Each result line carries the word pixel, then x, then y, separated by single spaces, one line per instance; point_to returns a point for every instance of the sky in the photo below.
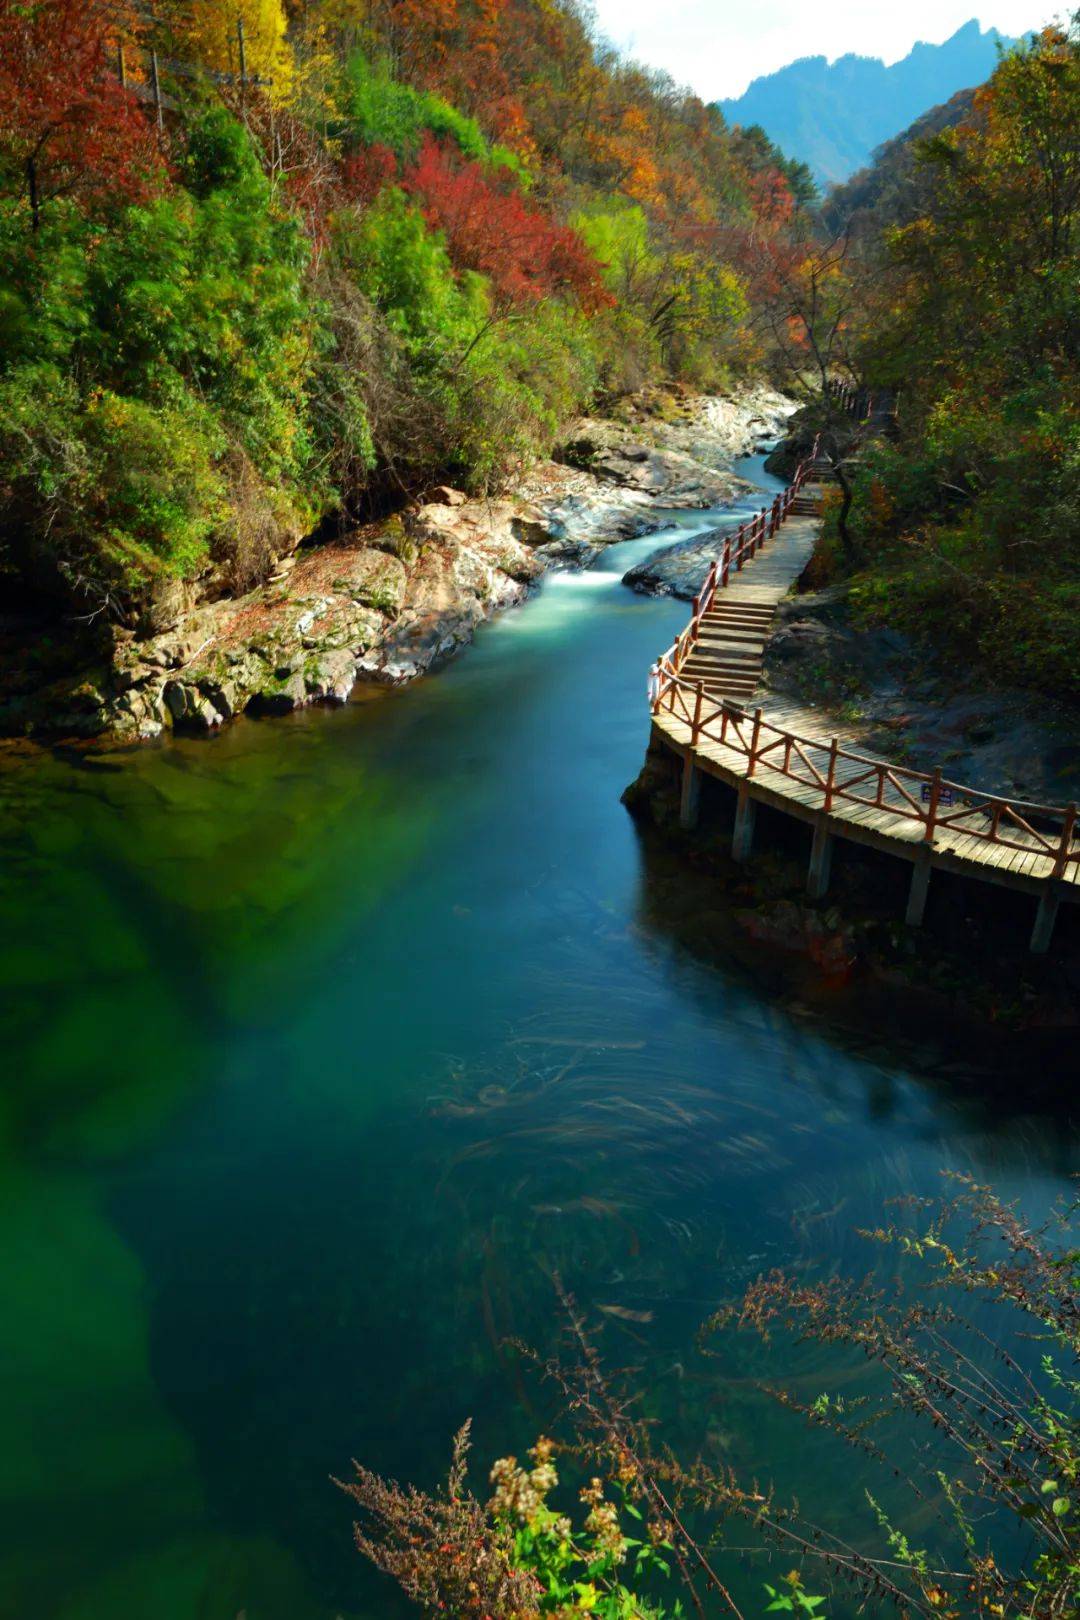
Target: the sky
pixel 718 46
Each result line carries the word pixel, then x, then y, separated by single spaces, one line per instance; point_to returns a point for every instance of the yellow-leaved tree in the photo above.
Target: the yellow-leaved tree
pixel 210 32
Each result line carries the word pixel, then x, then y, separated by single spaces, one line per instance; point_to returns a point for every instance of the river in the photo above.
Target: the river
pixel 328 1041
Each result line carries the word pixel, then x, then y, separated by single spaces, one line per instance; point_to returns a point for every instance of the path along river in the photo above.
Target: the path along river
pixel 325 1042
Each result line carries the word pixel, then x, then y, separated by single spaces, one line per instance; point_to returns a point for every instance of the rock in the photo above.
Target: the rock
pixel 331 676
pixel 445 496
pixel 189 708
pixel 375 579
pixel 802 637
pixel 829 942
pixel 169 600
pixel 137 717
pixel 670 477
pixel 222 694
pixel 678 570
pixel 281 695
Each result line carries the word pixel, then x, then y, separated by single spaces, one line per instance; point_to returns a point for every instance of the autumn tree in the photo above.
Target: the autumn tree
pixel 990 268
pixel 491 228
pixel 67 125
pixel 230 36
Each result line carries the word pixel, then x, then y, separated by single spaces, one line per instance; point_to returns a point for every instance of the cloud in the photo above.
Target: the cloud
pixel 718 46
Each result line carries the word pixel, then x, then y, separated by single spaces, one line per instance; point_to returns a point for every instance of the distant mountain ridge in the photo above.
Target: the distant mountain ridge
pixel 834 116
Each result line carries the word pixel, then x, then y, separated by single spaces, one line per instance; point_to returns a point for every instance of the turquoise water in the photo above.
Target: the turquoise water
pixel 329 1041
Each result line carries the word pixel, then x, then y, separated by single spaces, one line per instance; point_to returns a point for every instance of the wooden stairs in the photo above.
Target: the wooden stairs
pixel 728 654
pixel 810 501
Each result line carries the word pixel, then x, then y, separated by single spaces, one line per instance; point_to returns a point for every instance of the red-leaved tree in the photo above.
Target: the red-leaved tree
pixel 525 254
pixel 67 125
pixel 364 173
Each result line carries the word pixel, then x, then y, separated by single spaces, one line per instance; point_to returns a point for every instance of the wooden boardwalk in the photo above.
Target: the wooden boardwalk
pixel 700 690
pixel 729 650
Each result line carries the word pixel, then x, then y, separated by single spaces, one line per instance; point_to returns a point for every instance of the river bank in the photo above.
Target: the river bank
pixel 390 600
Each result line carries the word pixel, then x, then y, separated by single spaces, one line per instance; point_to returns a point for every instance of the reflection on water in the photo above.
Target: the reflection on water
pixel 332 1040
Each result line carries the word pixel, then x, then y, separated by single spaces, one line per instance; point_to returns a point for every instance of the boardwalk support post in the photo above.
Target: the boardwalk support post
pixel 743 840
pixel 691 792
pixel 920 888
pixel 691 776
pixel 1045 918
pixel 817 882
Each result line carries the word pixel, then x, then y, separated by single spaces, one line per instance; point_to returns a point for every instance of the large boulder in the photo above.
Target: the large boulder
pixel 471 561
pixel 678 570
pixel 669 476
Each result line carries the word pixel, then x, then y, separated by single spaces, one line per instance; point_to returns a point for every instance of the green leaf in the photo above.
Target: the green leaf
pixel 1061 1506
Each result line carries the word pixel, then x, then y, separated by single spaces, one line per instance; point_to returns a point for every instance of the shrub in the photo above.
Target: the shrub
pixel 380 110
pixel 105 494
pixel 523 253
pixel 140 353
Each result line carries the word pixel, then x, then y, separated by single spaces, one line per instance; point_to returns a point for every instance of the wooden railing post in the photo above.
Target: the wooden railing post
pixel 726 565
pixel 935 800
pixel 830 780
pixel 1065 847
pixel 754 739
pixel 695 724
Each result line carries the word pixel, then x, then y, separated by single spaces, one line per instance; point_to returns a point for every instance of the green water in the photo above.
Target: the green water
pixel 327 1042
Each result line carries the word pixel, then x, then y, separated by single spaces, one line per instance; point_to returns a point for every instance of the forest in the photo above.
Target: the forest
pixel 351 250
pixel 961 299
pixel 266 265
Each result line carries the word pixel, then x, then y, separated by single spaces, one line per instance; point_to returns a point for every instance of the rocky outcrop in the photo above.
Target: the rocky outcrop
pixel 670 477
pixel 472 559
pixel 712 429
pixel 391 600
pixel 387 602
pixel 678 570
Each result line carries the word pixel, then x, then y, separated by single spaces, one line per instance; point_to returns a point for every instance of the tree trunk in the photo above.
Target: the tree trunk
pixel 842 529
pixel 32 187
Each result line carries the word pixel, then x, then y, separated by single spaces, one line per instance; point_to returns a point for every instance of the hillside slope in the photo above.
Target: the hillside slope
pixel 893 189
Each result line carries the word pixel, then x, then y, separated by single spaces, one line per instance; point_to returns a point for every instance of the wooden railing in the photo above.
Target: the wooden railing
pixel 740 547
pixel 847 396
pixel 843 776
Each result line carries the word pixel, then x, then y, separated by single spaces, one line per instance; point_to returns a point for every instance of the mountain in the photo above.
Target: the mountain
pixel 894 188
pixel 834 115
